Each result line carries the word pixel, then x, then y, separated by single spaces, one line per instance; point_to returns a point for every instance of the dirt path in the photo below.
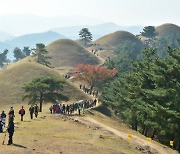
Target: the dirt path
pixel 134 140
pixel 101 60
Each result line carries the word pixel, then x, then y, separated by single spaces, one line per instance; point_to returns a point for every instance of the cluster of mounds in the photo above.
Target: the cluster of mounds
pixel 66 54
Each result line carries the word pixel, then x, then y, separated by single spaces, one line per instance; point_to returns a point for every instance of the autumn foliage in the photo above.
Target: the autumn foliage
pixel 93 74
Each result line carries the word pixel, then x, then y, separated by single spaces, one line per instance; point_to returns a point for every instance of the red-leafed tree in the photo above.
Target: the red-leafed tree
pixel 94 74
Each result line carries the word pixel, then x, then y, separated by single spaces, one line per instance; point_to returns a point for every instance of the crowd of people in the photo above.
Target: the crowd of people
pixel 89 90
pixel 72 108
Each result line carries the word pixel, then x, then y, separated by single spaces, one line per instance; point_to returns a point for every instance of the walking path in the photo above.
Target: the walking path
pixel 143 143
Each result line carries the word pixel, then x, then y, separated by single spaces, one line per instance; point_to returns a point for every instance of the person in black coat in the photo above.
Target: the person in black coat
pixel 31 111
pixel 10 130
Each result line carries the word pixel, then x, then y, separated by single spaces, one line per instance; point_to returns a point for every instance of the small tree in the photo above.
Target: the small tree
pixel 26 51
pixel 94 74
pixel 3 57
pixel 44 89
pixel 40 52
pixel 85 35
pixel 18 54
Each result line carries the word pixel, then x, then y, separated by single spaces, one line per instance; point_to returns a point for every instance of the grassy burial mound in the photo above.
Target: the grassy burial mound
pixel 168 34
pixel 12 79
pixel 116 39
pixel 164 29
pixel 66 52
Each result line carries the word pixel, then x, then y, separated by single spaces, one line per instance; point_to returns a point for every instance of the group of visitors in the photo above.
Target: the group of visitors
pixel 89 90
pixel 10 128
pixel 11 116
pixel 34 110
pixel 72 108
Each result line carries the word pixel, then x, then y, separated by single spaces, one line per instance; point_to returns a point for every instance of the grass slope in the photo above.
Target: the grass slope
pixel 66 52
pixel 163 29
pixel 115 39
pixel 50 134
pixel 12 79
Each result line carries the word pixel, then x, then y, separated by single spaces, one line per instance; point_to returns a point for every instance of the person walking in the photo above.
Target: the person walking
pixel 11 113
pixel 31 111
pixel 64 109
pixel 1 126
pixel 36 110
pixel 67 109
pixel 22 112
pixel 51 109
pixel 11 130
pixel 79 109
pixel 3 118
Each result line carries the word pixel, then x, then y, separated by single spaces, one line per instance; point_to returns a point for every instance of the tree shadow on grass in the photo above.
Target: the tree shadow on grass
pixel 26 121
pixel 104 110
pixel 20 146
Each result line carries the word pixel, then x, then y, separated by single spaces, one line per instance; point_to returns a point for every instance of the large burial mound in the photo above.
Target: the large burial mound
pixel 12 79
pixel 66 52
pixel 165 29
pixel 115 39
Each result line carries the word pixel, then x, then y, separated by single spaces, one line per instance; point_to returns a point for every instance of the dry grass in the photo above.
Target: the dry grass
pixel 66 52
pixel 115 39
pixel 50 134
pixel 166 28
pixel 12 79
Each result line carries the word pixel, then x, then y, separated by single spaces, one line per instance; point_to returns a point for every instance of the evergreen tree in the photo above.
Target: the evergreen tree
pixel 18 54
pixel 150 33
pixel 85 35
pixel 148 96
pixel 3 57
pixel 44 89
pixel 26 51
pixel 40 52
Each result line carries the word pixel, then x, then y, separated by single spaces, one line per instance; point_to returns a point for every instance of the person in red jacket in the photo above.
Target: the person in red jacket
pixel 22 113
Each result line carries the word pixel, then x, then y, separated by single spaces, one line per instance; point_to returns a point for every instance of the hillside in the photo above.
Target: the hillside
pixel 168 34
pixel 167 28
pixel 12 78
pixel 115 39
pixel 66 52
pixel 90 133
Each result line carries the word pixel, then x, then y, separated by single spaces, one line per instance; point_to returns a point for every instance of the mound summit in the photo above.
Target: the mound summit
pixel 65 52
pixel 113 40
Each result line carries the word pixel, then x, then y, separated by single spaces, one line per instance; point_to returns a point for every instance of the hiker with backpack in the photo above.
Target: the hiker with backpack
pixel 22 113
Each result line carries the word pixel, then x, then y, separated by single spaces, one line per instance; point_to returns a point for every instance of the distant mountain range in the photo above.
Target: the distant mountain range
pixel 97 30
pixel 21 24
pixel 29 40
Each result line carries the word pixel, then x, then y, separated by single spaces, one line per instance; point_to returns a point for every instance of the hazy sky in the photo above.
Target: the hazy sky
pixel 122 12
